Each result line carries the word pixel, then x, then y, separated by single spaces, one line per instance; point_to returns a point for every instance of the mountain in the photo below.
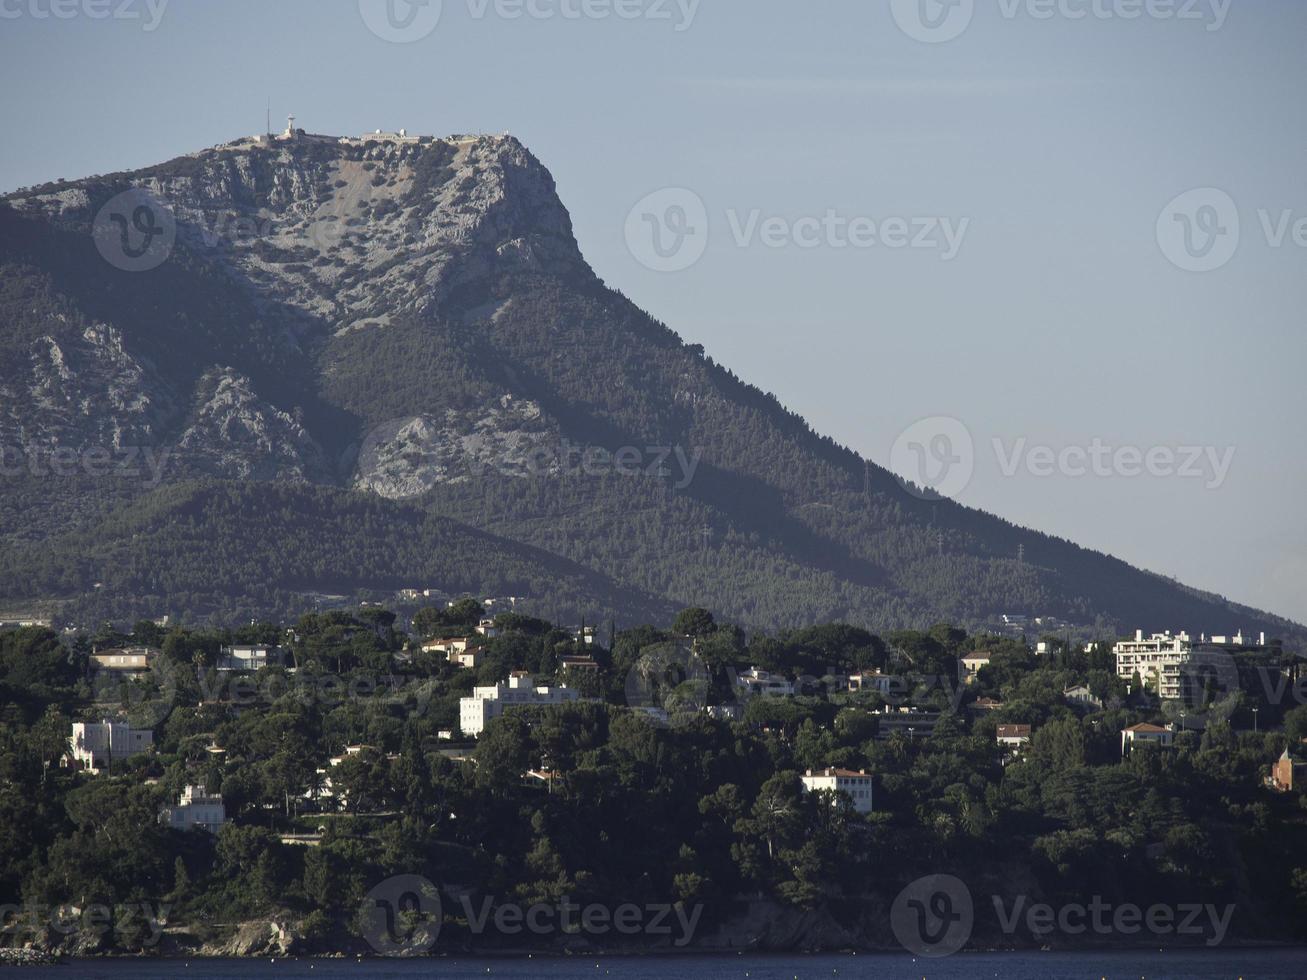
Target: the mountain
pixel 298 365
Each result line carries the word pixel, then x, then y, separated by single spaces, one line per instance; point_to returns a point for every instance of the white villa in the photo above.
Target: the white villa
pixel 247 659
pixel 195 809
pixel 449 647
pixel 971 665
pixel 858 785
pixel 95 744
pixel 1146 734
pixel 476 712
pixel 1012 737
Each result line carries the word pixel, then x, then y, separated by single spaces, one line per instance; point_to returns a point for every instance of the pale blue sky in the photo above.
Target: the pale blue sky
pixel 1060 320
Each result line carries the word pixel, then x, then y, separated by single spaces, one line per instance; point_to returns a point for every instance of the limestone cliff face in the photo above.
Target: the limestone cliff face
pixel 408 456
pixel 78 387
pixel 237 435
pixel 325 239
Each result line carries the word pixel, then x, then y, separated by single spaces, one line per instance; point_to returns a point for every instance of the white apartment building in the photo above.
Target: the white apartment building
pixel 858 785
pixel 95 744
pixel 195 809
pixel 486 703
pixel 1157 660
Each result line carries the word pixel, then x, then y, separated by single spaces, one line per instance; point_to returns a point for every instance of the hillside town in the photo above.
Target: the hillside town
pixel 287 741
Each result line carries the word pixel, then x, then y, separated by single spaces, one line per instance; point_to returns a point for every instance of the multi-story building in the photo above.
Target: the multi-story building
pixel 971 665
pixel 858 785
pixel 487 703
pixel 1157 660
pixel 195 809
pixel 910 721
pixel 95 744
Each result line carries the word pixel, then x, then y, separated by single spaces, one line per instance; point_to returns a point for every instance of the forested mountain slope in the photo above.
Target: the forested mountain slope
pixel 414 322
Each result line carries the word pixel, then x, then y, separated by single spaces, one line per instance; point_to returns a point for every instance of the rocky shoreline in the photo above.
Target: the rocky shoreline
pixel 27 957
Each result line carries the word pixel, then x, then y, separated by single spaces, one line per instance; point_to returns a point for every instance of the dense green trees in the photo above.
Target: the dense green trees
pixel 703 812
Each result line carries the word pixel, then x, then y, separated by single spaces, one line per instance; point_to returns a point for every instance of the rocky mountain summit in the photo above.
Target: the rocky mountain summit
pixel 400 335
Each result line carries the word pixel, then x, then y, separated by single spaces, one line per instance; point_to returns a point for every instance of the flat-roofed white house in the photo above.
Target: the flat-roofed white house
pixel 487 703
pixel 1145 734
pixel 858 785
pixel 196 809
pixel 250 657
pixel 911 721
pixel 871 680
pixel 93 745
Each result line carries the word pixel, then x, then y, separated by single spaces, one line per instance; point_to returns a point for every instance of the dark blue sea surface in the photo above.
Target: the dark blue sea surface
pixel 1134 965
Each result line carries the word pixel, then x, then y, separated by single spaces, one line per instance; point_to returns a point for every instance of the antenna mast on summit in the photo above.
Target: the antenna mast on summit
pixel 268 124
